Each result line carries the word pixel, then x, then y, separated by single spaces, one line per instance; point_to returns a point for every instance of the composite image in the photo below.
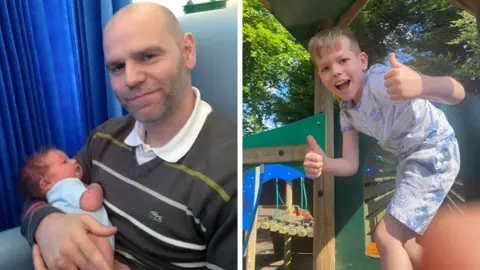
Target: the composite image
pixel 239 134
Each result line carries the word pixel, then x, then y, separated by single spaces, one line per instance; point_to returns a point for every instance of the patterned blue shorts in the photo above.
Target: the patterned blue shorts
pixel 423 180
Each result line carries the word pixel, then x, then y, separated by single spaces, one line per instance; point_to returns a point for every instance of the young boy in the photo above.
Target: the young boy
pixel 52 175
pixel 393 106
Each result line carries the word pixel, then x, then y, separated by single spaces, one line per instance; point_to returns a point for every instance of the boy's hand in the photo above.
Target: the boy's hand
pixel 313 163
pixel 402 82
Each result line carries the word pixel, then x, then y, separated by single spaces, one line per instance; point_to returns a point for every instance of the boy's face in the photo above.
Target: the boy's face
pixel 342 70
pixel 59 167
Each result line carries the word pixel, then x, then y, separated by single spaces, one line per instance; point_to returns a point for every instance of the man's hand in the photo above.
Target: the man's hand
pixel 313 163
pixel 37 259
pixel 64 243
pixel 402 82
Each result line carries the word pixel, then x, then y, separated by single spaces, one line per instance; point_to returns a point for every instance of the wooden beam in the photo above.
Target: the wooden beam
pixel 287 244
pixel 476 7
pixel 266 4
pixel 472 7
pixel 465 5
pixel 324 24
pixel 347 18
pixel 252 242
pixel 378 189
pixel 275 154
pixel 324 205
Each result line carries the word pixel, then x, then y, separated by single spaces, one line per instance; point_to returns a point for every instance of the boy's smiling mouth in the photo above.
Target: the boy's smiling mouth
pixel 342 85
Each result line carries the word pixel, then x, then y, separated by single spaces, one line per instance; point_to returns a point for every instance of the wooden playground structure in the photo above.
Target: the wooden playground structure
pixel 334 223
pixel 280 147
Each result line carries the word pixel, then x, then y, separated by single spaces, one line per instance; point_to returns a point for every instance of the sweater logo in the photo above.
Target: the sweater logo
pixel 155 216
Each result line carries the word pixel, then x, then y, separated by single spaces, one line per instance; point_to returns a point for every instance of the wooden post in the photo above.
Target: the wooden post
pixel 252 242
pixel 352 12
pixel 324 203
pixel 476 8
pixel 472 7
pixel 287 244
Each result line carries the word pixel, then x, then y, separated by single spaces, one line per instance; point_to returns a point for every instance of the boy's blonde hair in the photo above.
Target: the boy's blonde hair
pixel 328 36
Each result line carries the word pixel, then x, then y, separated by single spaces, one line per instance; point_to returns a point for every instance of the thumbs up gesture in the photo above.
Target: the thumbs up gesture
pixel 313 163
pixel 402 82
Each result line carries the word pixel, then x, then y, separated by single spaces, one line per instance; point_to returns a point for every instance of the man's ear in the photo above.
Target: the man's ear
pixel 189 50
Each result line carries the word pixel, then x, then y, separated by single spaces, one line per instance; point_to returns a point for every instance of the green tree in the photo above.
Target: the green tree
pixel 270 54
pixel 446 42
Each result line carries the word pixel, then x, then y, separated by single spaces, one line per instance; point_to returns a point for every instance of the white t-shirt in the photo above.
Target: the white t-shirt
pixel 399 127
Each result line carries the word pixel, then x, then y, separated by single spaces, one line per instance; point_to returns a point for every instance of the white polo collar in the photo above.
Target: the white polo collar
pixel 181 143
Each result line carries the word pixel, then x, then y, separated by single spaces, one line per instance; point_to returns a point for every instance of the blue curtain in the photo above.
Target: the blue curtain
pixel 54 88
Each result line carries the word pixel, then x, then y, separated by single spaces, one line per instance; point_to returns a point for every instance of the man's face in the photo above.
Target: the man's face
pixel 341 70
pixel 148 68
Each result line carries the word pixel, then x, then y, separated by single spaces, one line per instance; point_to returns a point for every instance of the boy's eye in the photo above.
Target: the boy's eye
pixel 148 57
pixel 342 61
pixel 324 69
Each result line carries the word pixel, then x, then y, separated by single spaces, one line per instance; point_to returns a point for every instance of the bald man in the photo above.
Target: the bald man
pixel 168 169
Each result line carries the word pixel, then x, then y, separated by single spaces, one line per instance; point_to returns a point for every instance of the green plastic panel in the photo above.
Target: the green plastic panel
pixel 295 133
pixel 207 6
pixel 349 215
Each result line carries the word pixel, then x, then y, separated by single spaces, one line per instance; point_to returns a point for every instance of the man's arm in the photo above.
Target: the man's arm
pixel 92 199
pixel 222 246
pixel 33 212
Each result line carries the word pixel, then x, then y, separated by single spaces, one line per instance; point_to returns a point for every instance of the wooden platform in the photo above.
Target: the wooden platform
pixel 285 221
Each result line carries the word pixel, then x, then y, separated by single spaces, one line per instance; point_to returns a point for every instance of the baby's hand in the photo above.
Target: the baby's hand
pixel 402 82
pixel 313 163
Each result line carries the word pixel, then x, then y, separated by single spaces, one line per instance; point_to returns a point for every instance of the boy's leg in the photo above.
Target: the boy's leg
pixel 15 252
pixel 392 238
pixel 423 180
pixel 414 250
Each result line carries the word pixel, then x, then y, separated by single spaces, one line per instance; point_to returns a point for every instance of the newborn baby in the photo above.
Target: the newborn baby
pixel 50 174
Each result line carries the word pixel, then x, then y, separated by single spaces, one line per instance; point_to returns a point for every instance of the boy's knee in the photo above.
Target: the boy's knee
pixel 390 231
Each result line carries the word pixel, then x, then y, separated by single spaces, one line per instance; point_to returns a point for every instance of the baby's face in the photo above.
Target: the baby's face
pixel 60 166
pixel 341 70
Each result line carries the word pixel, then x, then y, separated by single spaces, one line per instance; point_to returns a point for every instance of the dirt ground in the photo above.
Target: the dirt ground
pixel 267 260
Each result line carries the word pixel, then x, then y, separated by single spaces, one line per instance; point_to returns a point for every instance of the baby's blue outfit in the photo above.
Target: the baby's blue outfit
pixel 420 136
pixel 66 194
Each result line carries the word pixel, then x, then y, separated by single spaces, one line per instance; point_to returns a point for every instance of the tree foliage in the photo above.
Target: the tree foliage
pixel 270 58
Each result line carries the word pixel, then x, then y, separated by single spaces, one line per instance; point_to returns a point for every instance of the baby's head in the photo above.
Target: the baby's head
pixel 340 63
pixel 44 169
